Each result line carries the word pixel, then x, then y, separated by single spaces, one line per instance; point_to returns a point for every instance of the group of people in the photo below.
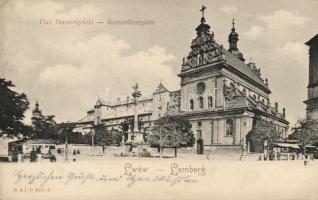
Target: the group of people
pixel 18 156
pixel 275 155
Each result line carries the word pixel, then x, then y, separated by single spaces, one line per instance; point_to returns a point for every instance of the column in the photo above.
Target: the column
pixel 215 131
pixel 221 130
pixel 237 132
pixel 212 132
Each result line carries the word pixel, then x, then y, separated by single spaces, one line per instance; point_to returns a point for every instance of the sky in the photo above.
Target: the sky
pixel 67 67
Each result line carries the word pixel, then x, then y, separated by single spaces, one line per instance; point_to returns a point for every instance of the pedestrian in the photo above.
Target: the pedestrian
pixel 33 156
pixel 74 155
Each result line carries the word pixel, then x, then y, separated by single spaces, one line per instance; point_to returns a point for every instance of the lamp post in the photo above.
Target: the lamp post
pixel 93 145
pixel 90 130
pixel 64 129
pixel 66 148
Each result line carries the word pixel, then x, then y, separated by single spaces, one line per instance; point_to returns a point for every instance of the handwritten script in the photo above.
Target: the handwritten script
pixel 45 178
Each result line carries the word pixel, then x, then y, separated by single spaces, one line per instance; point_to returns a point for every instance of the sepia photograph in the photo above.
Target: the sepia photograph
pixel 158 99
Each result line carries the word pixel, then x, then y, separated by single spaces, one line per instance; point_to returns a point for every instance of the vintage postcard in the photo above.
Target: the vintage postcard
pixel 158 99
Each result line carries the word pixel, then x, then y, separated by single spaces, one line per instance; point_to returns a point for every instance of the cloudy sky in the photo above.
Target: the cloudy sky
pixel 67 67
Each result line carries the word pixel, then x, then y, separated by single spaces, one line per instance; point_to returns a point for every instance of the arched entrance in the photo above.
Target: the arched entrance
pixel 200 147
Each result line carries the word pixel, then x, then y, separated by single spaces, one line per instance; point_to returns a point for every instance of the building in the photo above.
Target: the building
pixel 312 102
pixel 220 94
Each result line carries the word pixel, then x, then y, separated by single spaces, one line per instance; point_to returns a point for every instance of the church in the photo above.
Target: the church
pixel 220 94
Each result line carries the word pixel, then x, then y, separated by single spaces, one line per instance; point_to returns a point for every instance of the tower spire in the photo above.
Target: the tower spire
pixel 36 112
pixel 233 24
pixel 203 27
pixel 202 10
pixel 233 39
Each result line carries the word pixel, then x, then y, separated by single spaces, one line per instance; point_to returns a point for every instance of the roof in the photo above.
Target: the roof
pixel 287 145
pixel 40 141
pixel 161 88
pixel 86 119
pixel 35 141
pixel 236 63
pixel 114 115
pixel 124 114
pixel 312 40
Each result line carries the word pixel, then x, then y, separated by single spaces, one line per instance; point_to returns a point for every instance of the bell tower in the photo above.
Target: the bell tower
pixel 312 102
pixel 36 112
pixel 233 39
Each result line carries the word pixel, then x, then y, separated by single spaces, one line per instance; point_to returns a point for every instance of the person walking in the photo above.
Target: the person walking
pixel 74 155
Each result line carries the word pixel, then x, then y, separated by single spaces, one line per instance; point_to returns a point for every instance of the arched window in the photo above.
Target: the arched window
pixel 191 104
pixel 229 127
pixel 210 102
pixel 200 102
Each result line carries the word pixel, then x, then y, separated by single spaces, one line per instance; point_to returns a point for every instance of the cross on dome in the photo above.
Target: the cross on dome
pixel 202 10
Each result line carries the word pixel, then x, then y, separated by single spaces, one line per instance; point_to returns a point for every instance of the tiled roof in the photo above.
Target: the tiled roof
pixel 236 63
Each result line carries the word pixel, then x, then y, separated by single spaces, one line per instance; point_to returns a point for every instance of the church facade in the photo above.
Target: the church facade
pixel 220 95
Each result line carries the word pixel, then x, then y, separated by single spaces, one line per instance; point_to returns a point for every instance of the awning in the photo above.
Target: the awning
pixel 311 146
pixel 287 145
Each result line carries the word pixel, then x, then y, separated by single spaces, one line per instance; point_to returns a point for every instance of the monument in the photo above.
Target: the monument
pixel 135 138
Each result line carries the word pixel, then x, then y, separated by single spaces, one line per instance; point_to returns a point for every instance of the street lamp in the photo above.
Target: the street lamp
pixel 92 132
pixel 66 148
pixel 93 145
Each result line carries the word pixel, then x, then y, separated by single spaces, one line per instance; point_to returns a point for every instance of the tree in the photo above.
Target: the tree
pixel 65 131
pixel 306 131
pixel 87 138
pixel 116 137
pixel 46 128
pixel 12 108
pixel 262 130
pixel 171 131
pixel 124 126
pixel 102 136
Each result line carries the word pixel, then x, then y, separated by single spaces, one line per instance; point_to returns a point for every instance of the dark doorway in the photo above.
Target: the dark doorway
pixel 200 147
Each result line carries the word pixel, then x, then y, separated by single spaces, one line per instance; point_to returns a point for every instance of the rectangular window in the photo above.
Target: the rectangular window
pixel 210 102
pixel 229 127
